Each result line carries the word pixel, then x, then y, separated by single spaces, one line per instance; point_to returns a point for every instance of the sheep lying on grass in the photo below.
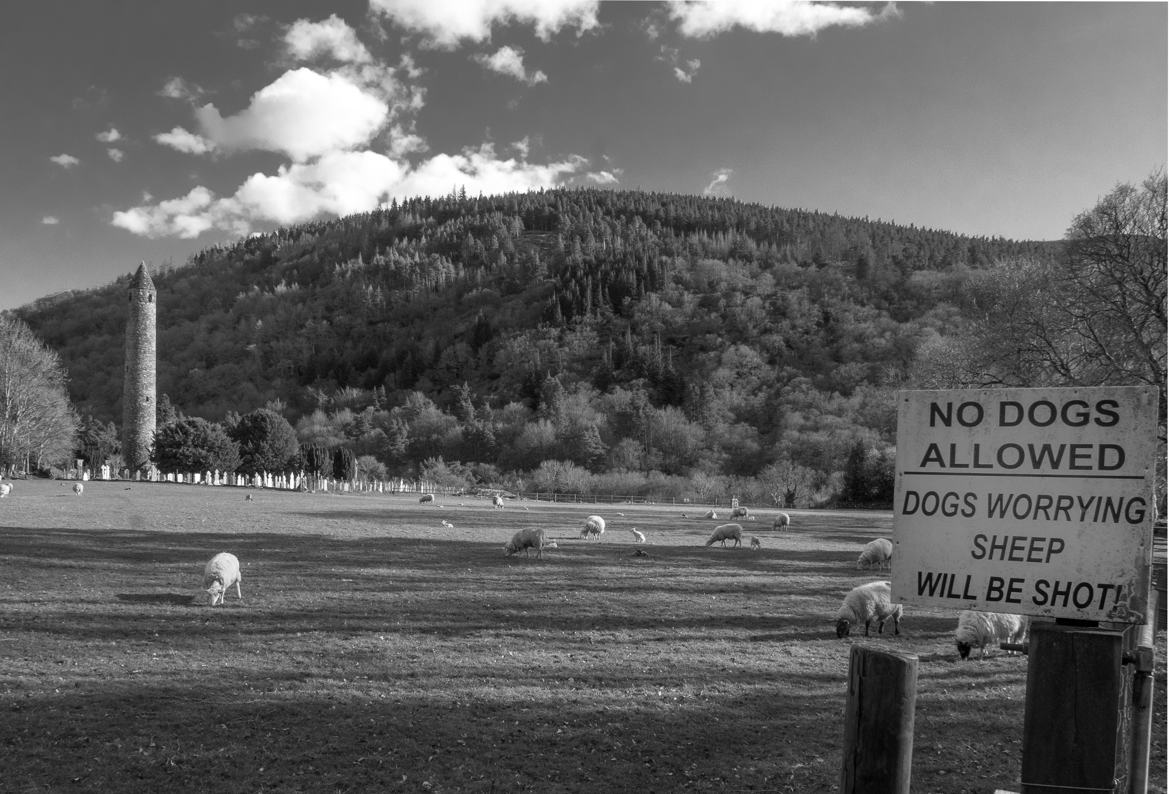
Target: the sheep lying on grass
pixel 447 524
pixel 594 525
pixel 782 521
pixel 866 603
pixel 525 539
pixel 78 488
pixel 724 533
pixel 739 512
pixel 711 514
pixel 5 489
pixel 879 553
pixel 425 498
pixel 978 629
pixel 221 572
pixel 638 536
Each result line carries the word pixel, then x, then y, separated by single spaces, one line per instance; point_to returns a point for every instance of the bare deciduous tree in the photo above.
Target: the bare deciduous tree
pixel 1094 316
pixel 38 426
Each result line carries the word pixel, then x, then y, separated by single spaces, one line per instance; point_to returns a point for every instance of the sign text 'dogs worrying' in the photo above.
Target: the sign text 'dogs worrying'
pixel 1032 501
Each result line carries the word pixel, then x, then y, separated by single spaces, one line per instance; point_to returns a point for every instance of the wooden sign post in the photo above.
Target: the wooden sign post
pixel 1037 502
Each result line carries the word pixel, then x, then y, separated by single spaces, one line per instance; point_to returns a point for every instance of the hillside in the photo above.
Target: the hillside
pixel 640 314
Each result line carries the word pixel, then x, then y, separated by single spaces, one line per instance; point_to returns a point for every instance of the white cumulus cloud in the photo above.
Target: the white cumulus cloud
pixel 604 177
pixel 339 183
pixel 186 217
pixel 333 37
pixel 50 220
pixel 786 17
pixel 718 184
pixel 447 23
pixel 109 136
pixel 302 114
pixel 482 171
pixel 116 154
pixel 65 160
pixel 684 70
pixel 178 88
pixel 510 61
pixel 184 141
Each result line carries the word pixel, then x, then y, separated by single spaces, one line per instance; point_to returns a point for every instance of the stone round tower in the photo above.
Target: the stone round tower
pixel 138 386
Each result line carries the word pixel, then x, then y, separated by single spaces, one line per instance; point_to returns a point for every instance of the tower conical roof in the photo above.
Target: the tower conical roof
pixel 141 278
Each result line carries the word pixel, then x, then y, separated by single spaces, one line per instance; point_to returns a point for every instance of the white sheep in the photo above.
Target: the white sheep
pixel 5 489
pixel 879 552
pixel 638 536
pixel 448 524
pixel 739 512
pixel 497 501
pixel 711 514
pixel 866 603
pixel 525 539
pixel 594 525
pixel 425 498
pixel 978 629
pixel 755 543
pixel 221 572
pixel 78 488
pixel 782 521
pixel 724 533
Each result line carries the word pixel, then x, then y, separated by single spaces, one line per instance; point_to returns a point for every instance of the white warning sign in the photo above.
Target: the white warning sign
pixel 1031 501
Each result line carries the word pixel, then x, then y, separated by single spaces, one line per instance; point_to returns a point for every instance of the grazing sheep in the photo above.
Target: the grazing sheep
pixel 78 488
pixel 221 572
pixel 525 539
pixel 739 512
pixel 782 521
pixel 724 533
pixel 711 514
pixel 5 489
pixel 755 543
pixel 594 525
pixel 977 629
pixel 865 603
pixel 497 501
pixel 638 536
pixel 878 552
pixel 448 524
pixel 425 498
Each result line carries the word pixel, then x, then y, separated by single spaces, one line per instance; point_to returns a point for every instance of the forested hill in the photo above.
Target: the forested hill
pixel 733 314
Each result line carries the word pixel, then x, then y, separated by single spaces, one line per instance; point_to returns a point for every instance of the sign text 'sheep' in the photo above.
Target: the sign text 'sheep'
pixel 1034 501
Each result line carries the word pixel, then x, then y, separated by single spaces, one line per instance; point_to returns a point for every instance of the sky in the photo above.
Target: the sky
pixel 150 131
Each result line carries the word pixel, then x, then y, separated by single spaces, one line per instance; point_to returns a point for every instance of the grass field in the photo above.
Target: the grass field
pixel 376 650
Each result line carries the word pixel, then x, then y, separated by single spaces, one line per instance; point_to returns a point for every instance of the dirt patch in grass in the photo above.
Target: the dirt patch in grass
pixel 377 650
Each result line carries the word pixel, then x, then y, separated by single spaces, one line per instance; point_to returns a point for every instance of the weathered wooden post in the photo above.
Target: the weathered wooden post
pixel 1072 714
pixel 879 722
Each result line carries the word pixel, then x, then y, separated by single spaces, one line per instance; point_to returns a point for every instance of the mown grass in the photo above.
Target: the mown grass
pixel 376 650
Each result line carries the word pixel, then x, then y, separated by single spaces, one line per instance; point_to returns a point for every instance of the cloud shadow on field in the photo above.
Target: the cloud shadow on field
pixel 173 599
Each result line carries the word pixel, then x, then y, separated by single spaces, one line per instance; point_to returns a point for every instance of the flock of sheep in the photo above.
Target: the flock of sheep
pixel 862 606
